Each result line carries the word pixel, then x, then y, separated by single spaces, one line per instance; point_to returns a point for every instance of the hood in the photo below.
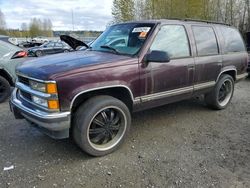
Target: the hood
pixel 72 42
pixel 48 67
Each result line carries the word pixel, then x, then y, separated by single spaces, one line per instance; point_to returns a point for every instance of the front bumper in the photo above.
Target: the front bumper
pixel 55 124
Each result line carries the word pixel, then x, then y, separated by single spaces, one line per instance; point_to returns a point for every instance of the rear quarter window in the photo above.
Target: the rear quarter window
pixel 233 41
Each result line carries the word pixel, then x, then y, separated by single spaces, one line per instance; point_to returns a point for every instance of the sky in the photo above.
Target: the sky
pixel 88 14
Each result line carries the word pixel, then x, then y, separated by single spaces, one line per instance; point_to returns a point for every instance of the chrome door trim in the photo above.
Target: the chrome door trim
pixel 174 92
pixel 204 85
pixel 164 94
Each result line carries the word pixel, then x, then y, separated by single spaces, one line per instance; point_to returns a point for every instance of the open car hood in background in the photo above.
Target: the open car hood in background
pixel 72 42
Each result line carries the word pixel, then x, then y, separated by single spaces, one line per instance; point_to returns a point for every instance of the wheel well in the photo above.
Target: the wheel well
pixel 4 74
pixel 231 73
pixel 120 93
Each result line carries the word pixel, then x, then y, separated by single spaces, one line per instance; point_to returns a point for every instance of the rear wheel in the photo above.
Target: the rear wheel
pixel 4 89
pixel 222 94
pixel 39 53
pixel 100 125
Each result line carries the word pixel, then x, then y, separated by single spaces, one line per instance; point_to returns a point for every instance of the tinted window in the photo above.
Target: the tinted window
pixel 173 40
pixel 206 42
pixel 58 44
pixel 233 40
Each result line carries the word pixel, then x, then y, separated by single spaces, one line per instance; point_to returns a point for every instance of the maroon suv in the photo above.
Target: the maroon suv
pixel 130 67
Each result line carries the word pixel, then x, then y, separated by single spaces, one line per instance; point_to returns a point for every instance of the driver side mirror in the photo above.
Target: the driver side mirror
pixel 157 56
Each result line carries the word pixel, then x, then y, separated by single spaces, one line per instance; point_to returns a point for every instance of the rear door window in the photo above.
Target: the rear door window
pixel 232 40
pixel 205 39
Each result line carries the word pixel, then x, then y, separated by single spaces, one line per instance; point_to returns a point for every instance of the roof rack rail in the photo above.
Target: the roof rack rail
pixel 199 20
pixel 206 21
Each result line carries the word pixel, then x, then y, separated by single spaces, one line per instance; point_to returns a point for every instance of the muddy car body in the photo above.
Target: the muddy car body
pixel 93 92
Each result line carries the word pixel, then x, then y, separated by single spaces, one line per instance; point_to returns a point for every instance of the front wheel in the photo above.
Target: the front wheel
pixel 4 89
pixel 222 94
pixel 101 124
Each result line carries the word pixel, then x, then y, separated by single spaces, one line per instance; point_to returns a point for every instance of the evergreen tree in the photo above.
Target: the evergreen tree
pixel 123 10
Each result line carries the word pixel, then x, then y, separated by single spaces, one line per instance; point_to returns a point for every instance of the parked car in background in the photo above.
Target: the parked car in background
pixel 13 41
pixel 10 57
pixel 92 93
pixel 40 39
pixel 49 48
pixel 29 44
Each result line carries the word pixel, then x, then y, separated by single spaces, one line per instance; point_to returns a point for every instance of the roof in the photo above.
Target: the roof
pixel 186 20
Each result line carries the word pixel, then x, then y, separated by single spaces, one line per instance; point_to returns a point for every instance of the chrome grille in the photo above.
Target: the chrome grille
pixel 23 80
pixel 25 95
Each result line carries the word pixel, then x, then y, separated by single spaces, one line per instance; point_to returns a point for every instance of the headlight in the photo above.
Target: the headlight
pixel 38 86
pixel 40 101
pixel 50 88
pixel 50 104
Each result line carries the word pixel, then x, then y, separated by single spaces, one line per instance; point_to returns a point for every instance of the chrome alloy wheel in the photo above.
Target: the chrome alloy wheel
pixel 107 128
pixel 225 92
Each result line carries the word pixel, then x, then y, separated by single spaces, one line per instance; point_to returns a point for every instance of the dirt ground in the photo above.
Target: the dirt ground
pixel 179 145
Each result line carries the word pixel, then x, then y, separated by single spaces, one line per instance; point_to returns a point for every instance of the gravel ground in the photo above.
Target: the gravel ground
pixel 179 145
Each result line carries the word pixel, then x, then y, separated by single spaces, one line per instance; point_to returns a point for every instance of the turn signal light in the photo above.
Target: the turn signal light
pixel 51 88
pixel 53 104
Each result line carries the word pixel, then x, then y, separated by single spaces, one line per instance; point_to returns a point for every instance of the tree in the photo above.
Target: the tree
pixel 47 28
pixel 123 10
pixel 2 23
pixel 24 27
pixel 35 27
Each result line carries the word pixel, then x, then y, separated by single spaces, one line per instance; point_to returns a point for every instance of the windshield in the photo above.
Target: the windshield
pixel 124 39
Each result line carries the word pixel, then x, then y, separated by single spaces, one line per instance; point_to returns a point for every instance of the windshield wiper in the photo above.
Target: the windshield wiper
pixel 110 48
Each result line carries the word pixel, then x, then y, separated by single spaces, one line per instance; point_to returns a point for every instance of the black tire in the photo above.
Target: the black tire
pixel 92 115
pixel 4 89
pixel 65 51
pixel 39 53
pixel 218 99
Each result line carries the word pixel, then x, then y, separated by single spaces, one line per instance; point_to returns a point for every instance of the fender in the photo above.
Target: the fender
pixel 100 88
pixel 9 76
pixel 225 69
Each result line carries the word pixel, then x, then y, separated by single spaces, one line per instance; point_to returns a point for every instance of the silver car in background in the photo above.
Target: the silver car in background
pixel 10 57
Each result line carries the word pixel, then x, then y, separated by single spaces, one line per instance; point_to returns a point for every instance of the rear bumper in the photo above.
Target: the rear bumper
pixel 56 125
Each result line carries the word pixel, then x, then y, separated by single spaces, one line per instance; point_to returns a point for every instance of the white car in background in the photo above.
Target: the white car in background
pixel 14 41
pixel 40 39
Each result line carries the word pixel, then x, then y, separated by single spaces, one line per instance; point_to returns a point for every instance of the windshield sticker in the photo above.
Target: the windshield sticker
pixel 141 29
pixel 143 35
